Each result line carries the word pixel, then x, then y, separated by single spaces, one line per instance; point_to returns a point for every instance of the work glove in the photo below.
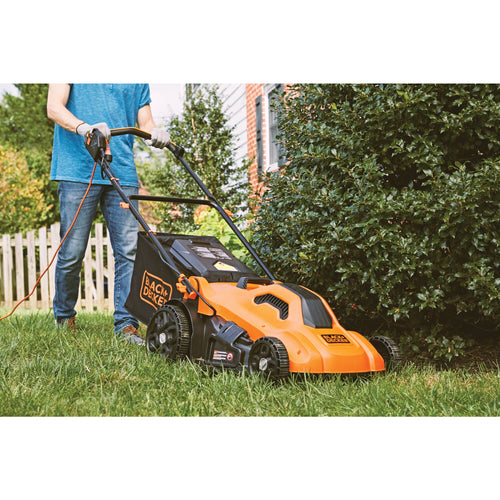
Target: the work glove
pixel 84 128
pixel 159 138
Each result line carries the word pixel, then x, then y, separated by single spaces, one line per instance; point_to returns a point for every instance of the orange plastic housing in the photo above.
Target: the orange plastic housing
pixel 310 350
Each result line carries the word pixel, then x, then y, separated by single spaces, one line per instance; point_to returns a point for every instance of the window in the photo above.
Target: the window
pixel 270 154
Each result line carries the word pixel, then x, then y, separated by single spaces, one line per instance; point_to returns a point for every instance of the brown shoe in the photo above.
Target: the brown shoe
pixel 69 324
pixel 131 334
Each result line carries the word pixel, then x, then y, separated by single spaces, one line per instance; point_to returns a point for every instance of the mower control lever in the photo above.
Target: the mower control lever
pixel 178 151
pixel 244 281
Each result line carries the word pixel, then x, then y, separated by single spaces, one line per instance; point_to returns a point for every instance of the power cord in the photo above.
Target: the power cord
pixel 57 249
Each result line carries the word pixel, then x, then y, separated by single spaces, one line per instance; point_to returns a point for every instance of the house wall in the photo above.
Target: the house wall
pixel 253 90
pixel 233 96
pixel 239 106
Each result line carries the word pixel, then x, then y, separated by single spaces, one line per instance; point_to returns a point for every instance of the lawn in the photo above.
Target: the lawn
pixel 49 372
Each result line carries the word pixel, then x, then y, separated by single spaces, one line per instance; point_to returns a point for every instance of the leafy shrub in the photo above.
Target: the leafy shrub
pixel 24 126
pixel 212 224
pixel 389 205
pixel 23 200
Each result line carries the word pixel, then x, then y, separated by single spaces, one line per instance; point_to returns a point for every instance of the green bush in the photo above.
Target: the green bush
pixel 389 206
pixel 210 223
pixel 24 127
pixel 24 203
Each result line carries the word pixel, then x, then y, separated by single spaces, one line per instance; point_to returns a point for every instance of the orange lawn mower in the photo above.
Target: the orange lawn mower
pixel 200 302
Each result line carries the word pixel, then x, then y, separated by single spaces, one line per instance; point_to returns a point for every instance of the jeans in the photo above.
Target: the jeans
pixel 122 229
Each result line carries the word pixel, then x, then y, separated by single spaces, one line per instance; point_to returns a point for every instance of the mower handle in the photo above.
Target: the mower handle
pixel 177 150
pixel 132 131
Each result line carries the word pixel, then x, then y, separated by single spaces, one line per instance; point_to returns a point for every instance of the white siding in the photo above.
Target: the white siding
pixel 234 98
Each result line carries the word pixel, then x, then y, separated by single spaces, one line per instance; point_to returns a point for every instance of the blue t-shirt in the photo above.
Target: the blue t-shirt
pixel 115 104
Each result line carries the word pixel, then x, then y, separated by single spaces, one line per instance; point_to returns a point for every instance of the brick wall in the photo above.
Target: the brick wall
pixel 253 90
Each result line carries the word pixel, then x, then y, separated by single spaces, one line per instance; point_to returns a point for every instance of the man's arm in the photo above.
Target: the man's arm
pixel 57 111
pixel 145 118
pixel 56 107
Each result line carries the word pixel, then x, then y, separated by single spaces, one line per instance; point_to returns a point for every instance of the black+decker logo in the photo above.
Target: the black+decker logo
pixel 336 338
pixel 154 290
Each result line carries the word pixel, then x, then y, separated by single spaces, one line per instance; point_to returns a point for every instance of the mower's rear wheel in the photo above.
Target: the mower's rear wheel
pixel 388 349
pixel 269 357
pixel 169 331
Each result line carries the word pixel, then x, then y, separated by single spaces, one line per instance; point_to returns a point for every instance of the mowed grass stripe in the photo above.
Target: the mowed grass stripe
pixel 50 372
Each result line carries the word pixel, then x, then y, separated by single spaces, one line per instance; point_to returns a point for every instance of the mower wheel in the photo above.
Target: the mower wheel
pixel 388 349
pixel 169 331
pixel 269 357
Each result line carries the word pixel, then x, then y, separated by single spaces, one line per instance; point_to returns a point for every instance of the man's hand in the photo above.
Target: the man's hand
pixel 84 128
pixel 159 138
pixel 96 145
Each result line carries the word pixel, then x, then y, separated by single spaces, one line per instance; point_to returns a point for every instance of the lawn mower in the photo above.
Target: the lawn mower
pixel 200 302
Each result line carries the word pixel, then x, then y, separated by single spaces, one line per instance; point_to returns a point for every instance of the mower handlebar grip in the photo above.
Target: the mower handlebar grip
pixel 132 131
pixel 177 150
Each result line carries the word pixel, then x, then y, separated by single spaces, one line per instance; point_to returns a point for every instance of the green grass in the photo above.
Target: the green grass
pixel 50 372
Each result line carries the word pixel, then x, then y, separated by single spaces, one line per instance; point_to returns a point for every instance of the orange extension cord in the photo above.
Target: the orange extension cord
pixel 57 249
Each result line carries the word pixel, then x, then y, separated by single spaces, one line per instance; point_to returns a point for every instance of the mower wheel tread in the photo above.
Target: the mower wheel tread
pixel 269 357
pixel 388 349
pixel 169 331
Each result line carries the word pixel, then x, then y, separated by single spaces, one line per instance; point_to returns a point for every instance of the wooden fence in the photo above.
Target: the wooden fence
pixel 24 258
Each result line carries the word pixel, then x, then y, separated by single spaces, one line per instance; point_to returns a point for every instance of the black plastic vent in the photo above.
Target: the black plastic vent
pixel 314 312
pixel 274 301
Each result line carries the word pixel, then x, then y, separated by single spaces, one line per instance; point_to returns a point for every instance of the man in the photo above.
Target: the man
pixel 76 110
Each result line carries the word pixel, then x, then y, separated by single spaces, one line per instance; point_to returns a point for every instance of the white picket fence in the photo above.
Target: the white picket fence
pixel 24 257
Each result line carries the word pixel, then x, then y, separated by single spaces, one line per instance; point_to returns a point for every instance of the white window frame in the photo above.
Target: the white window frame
pixel 268 167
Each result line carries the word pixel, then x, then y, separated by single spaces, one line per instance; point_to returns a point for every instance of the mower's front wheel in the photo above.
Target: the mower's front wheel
pixel 269 357
pixel 388 349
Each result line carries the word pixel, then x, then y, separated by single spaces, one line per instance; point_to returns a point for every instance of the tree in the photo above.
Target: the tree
pixel 389 206
pixel 23 200
pixel 23 119
pixel 202 129
pixel 24 127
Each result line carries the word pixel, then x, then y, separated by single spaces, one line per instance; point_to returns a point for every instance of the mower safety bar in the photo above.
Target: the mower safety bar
pixel 213 204
pixel 172 199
